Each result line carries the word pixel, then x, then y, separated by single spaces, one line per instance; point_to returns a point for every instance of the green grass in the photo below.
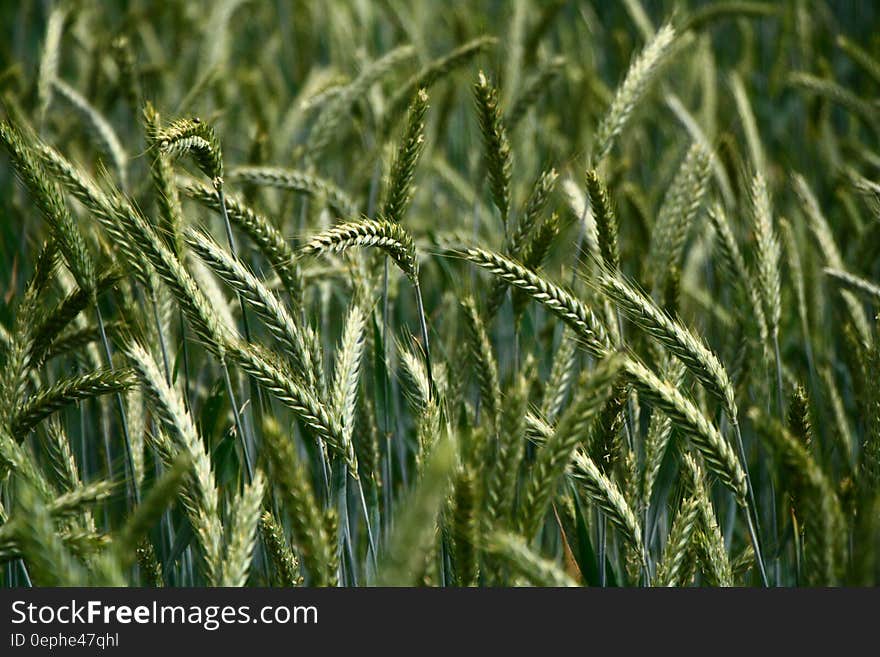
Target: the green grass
pixel 449 294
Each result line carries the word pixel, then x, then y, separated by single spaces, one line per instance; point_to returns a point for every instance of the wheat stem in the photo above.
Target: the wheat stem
pixel 236 417
pixel 131 481
pixel 752 509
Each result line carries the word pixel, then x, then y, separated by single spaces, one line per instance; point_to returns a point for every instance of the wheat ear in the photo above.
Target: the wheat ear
pixel 268 306
pixel 66 392
pixel 516 554
pixel 691 350
pixel 641 73
pixel 719 456
pixel 607 496
pixel 484 363
pixel 560 302
pixel 309 524
pixel 266 369
pixel 551 460
pixel 497 148
pixel 307 183
pixel 243 532
pixel 202 500
pixel 283 559
pixel 678 545
pixel 262 233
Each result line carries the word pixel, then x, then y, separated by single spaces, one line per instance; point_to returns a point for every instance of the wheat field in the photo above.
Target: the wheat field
pixel 527 293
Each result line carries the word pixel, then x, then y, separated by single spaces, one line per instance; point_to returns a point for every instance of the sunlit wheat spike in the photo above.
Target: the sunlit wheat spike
pixel 711 549
pixel 606 221
pixel 693 352
pixel 15 339
pixel 19 459
pixel 703 435
pixel 162 174
pixel 697 133
pixel 537 249
pixel 560 302
pixel 347 371
pixel 530 238
pixel 205 319
pixel 678 545
pixel 516 554
pixel 562 376
pixel 603 492
pixel 659 434
pixel 681 203
pixel 201 500
pixel 603 443
pixel 103 205
pixel 284 561
pixel 538 198
pixel 799 423
pixel 243 532
pixel 47 330
pixel 74 501
pixel 642 72
pixel 57 448
pixel 734 264
pixel 20 361
pixel 415 377
pixel 741 563
pixel 503 455
pixel 391 238
pixel 428 429
pixel 47 197
pixel 307 183
pixel 79 500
